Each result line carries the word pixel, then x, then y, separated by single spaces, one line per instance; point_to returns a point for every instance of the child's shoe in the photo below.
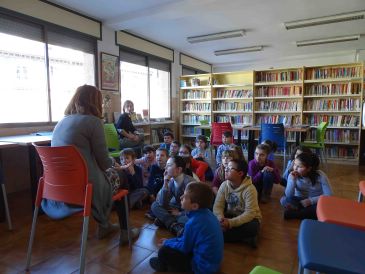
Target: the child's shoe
pixel 158 222
pixel 149 214
pixel 123 239
pixel 103 232
pixel 177 229
pixel 156 265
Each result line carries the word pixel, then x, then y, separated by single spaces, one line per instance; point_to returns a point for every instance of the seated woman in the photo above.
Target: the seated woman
pixel 82 127
pixel 129 136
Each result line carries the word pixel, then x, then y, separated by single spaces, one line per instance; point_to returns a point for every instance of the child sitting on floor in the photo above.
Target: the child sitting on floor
pixel 236 205
pixel 305 184
pixel 263 172
pixel 219 175
pixel 146 162
pixel 201 153
pixel 200 248
pixel 290 165
pixel 168 138
pixel 167 207
pixel 227 140
pixel 132 174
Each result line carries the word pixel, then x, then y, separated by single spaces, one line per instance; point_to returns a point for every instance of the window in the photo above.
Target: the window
pixel 159 89
pixel 134 80
pixel 27 94
pixel 146 82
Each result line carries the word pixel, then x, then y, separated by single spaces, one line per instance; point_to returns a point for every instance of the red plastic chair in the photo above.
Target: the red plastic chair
pixel 341 211
pixel 65 179
pixel 217 130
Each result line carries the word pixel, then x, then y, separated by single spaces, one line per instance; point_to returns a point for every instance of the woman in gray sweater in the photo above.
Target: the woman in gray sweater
pixel 82 127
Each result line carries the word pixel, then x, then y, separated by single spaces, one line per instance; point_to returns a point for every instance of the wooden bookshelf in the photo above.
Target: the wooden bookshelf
pixel 195 105
pixel 232 99
pixel 278 96
pixel 334 93
pixel 293 96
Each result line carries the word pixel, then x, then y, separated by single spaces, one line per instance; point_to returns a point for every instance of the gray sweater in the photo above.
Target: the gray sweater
pixel 86 132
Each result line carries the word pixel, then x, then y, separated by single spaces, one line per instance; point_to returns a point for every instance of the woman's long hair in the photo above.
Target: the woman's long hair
pixel 128 102
pixel 87 100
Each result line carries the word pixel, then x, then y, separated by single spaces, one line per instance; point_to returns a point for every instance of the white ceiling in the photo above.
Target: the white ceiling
pixel 169 22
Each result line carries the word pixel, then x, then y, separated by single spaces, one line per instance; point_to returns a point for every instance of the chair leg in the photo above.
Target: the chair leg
pixel 85 230
pixel 127 220
pixel 8 219
pixel 31 239
pixel 360 197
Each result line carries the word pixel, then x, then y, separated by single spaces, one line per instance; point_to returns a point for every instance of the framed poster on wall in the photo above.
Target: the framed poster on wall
pixel 109 71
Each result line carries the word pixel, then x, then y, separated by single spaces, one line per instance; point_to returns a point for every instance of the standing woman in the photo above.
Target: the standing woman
pixel 82 127
pixel 130 137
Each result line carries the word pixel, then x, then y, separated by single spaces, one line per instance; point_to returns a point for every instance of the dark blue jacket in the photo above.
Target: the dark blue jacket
pixel 203 238
pixel 155 181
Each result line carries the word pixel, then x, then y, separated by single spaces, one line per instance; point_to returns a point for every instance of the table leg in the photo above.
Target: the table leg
pixel 297 138
pixel 239 141
pixel 251 145
pixel 2 204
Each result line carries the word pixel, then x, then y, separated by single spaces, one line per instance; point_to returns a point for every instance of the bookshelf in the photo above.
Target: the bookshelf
pixel 195 105
pixel 232 99
pixel 293 96
pixel 278 96
pixel 334 93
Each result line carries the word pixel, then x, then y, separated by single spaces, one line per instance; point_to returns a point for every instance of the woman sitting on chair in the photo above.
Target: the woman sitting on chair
pixel 130 137
pixel 82 127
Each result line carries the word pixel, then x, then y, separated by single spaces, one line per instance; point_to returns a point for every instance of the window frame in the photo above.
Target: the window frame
pixel 45 27
pixel 148 58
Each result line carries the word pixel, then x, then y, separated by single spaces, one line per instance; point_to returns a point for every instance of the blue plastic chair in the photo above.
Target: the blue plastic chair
pixel 275 133
pixel 330 248
pixel 6 205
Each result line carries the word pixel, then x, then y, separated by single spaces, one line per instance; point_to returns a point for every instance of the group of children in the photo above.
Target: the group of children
pixel 204 209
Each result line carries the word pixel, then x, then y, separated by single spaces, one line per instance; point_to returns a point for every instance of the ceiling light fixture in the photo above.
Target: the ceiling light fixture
pixel 328 40
pixel 216 36
pixel 342 17
pixel 239 50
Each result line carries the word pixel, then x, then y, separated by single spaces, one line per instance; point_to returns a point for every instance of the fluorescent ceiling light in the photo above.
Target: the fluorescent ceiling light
pixel 325 20
pixel 328 40
pixel 239 50
pixel 216 36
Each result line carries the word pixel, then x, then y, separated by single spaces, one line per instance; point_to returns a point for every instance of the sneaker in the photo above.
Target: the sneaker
pixel 103 232
pixel 252 241
pixel 177 229
pixel 158 222
pixel 150 215
pixel 156 265
pixel 124 235
pixel 291 214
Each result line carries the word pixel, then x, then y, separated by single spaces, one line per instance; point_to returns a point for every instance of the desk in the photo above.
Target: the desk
pixel 251 136
pixel 27 140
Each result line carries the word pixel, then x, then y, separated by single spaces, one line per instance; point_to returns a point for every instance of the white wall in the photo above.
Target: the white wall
pixel 305 60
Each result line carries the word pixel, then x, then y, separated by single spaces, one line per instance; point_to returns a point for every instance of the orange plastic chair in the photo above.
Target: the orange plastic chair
pixel 341 211
pixel 65 179
pixel 217 130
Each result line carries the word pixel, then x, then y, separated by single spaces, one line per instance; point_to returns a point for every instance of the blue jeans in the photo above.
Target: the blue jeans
pixel 266 183
pixel 297 211
pixel 166 217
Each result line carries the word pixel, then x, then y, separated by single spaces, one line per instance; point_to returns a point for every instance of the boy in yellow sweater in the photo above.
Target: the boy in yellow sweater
pixel 240 219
